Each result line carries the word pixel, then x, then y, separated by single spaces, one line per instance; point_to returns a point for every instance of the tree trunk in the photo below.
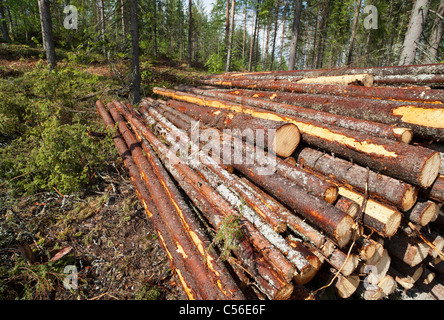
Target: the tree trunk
pixel 190 8
pixel 435 37
pixel 42 24
pixel 276 20
pixel 135 50
pixel 354 29
pixel 122 17
pixel 4 27
pixel 155 50
pixel 102 25
pixel 284 20
pixel 230 36
pixel 295 34
pixel 320 44
pixel 47 26
pixel 413 34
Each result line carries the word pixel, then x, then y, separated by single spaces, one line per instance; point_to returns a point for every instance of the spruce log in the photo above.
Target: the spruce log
pixel 414 164
pixel 400 194
pixel 304 108
pixel 384 93
pixel 388 285
pixel 346 286
pixel 349 206
pixel 282 137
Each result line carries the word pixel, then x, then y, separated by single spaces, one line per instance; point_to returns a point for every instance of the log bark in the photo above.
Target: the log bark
pixel 396 192
pixel 350 207
pixel 414 164
pixel 283 138
pixel 303 107
pixel 423 119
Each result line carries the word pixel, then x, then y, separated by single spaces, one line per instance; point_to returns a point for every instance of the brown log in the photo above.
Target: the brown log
pixel 423 119
pixel 398 193
pixel 186 278
pixel 384 93
pixel 413 164
pixel 282 137
pixel 277 102
pixel 215 210
pixel 347 286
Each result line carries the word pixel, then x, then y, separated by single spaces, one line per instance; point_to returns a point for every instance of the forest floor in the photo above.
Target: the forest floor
pixel 103 231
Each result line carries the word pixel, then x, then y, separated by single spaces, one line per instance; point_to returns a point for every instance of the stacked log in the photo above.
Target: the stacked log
pixel 344 188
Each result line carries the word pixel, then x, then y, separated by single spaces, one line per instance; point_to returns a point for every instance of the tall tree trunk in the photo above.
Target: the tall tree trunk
pixel 102 25
pixel 284 20
pixel 4 26
pixel 122 13
pixel 354 29
pixel 230 36
pixel 155 29
pixel 190 7
pixel 321 45
pixel 413 35
pixel 435 37
pixel 244 35
pixel 135 48
pixel 273 46
pixel 294 34
pixel 253 37
pixel 45 8
pixel 41 25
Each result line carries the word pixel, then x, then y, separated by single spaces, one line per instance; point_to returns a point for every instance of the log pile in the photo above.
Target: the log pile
pixel 342 188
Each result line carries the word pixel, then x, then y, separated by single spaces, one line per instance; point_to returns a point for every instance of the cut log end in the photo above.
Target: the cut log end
pixel 430 170
pixel 409 199
pixel 284 293
pixel 404 135
pixel 331 194
pixel 343 232
pixel 286 140
pixel 393 223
